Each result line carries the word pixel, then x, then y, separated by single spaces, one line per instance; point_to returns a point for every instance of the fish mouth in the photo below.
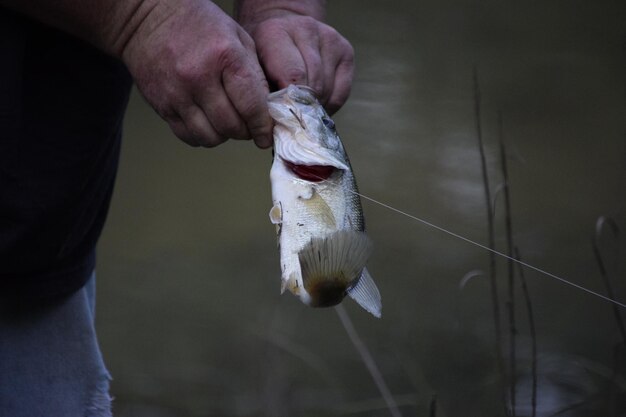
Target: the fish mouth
pixel 312 173
pixel 299 93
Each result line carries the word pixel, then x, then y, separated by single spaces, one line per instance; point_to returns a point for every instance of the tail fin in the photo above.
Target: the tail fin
pixel 330 265
pixel 366 294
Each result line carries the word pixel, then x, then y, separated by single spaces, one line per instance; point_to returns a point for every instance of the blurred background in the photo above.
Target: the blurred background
pixel 190 315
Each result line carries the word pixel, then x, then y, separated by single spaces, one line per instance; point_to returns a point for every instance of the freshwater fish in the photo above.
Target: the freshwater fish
pixel 316 207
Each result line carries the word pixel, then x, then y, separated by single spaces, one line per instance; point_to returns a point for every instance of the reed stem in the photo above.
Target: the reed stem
pixel 495 302
pixel 533 334
pixel 368 360
pixel 510 268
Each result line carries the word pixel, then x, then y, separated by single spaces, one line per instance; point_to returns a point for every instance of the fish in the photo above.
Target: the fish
pixel 316 207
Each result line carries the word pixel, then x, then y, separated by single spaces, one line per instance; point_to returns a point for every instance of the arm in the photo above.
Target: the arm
pixel 192 62
pixel 199 69
pixel 295 47
pixel 107 24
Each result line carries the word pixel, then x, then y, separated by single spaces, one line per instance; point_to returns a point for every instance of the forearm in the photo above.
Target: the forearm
pixel 253 11
pixel 107 24
pixel 110 24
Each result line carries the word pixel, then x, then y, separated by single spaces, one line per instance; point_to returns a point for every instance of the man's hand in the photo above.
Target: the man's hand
pixel 295 47
pixel 199 70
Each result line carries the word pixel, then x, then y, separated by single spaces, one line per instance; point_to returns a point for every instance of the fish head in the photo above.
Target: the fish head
pixel 304 134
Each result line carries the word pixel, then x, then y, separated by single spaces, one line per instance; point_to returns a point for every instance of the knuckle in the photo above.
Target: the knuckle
pixel 333 105
pixel 189 141
pixel 338 99
pixel 230 56
pixel 194 133
pixel 165 112
pixel 245 39
pixel 295 75
pixel 250 108
pixel 255 121
pixel 229 127
pixel 226 54
pixel 308 22
pixel 258 130
pixel 328 34
pixel 172 99
pixel 187 71
pixel 212 142
pixel 274 26
pixel 348 50
pixel 183 134
pixel 208 139
pixel 331 38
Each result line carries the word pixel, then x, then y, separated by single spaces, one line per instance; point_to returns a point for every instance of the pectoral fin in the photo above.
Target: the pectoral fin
pixel 366 294
pixel 276 214
pixel 331 264
pixel 321 209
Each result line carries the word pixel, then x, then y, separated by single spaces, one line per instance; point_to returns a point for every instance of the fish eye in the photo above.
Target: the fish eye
pixel 328 123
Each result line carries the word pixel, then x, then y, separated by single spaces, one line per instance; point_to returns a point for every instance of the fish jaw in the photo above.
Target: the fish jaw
pixel 299 146
pixel 300 135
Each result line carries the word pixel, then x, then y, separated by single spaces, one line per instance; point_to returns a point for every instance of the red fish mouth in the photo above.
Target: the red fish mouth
pixel 313 173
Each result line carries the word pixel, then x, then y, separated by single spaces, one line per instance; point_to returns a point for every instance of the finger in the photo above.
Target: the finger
pixel 222 115
pixel 342 70
pixel 280 57
pixel 193 128
pixel 180 130
pixel 247 90
pixel 308 46
pixel 262 141
pixel 341 88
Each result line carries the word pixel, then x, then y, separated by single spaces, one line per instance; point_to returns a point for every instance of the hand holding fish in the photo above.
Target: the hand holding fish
pixel 295 47
pixel 199 70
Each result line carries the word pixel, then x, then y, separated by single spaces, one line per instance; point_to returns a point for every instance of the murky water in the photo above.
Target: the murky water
pixel 190 316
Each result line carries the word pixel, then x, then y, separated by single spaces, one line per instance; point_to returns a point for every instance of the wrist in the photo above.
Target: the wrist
pixel 130 21
pixel 106 24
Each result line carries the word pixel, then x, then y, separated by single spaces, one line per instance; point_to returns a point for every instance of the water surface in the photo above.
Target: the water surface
pixel 190 316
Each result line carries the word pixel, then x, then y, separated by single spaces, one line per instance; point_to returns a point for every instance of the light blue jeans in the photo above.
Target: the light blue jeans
pixel 50 362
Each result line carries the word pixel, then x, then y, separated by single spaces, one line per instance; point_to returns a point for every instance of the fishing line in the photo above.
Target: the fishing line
pixel 487 248
pixel 480 245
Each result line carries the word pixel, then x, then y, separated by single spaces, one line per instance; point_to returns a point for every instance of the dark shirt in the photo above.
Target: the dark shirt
pixel 61 110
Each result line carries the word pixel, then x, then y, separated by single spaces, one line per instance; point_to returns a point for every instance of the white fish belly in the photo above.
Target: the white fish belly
pixel 305 210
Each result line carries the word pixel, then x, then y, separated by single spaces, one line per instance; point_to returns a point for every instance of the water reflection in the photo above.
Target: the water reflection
pixel 190 316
